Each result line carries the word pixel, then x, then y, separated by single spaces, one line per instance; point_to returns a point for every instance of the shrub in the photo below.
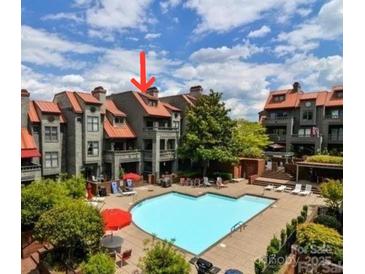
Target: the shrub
pixel 289 230
pixel 303 213
pixel 75 186
pixel 329 221
pixel 189 173
pixel 332 191
pixel 73 228
pixel 313 237
pixel 294 223
pixel 283 236
pixel 300 219
pixel 328 159
pixel 100 263
pixel 162 257
pixel 224 175
pixel 259 266
pixel 305 208
pixel 37 198
pixel 275 243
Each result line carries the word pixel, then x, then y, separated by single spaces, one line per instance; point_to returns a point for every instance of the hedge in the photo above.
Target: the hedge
pixel 327 159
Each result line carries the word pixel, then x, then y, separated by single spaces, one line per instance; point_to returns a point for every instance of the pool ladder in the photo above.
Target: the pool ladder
pixel 237 226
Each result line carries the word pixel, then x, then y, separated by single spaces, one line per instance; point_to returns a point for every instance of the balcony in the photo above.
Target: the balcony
pixel 161 129
pixel 147 155
pixel 277 138
pixel 334 119
pixel 165 132
pixel 122 156
pixel 31 173
pixel 335 139
pixel 167 155
pixel 277 120
pixel 304 138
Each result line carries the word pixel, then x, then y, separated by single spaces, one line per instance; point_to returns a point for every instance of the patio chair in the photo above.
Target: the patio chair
pixel 93 178
pixel 129 185
pixel 307 191
pixel 297 189
pixel 197 182
pixel 280 188
pixel 269 187
pixel 220 183
pixel 189 182
pixel 206 182
pixel 182 181
pixel 124 256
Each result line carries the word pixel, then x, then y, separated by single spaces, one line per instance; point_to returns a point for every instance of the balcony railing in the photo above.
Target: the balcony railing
pixel 277 137
pixel 333 117
pixel 335 137
pixel 277 118
pixel 30 172
pixel 161 129
pixel 31 168
pixel 167 154
pixel 303 136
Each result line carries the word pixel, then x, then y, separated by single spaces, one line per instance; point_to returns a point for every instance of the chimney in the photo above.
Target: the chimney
pixel 196 91
pixel 153 91
pixel 99 93
pixel 296 87
pixel 25 107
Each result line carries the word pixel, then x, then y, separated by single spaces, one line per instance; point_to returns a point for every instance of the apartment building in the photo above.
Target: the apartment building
pixel 90 133
pixel 305 122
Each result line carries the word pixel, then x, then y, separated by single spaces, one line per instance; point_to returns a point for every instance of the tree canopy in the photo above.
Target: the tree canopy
pixel 332 191
pixel 250 138
pixel 208 134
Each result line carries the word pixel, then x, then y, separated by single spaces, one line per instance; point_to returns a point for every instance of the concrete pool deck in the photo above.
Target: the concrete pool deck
pixel 239 249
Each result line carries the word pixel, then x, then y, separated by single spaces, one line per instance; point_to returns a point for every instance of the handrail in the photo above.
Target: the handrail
pixel 237 226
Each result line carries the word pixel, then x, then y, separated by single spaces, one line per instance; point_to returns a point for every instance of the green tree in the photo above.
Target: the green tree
pixel 162 258
pixel 332 191
pixel 74 228
pixel 208 134
pixel 37 198
pixel 75 186
pixel 251 138
pixel 99 263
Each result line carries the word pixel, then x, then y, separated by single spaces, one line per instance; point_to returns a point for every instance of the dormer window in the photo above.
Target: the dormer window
pixel 119 120
pixel 278 98
pixel 152 103
pixel 339 94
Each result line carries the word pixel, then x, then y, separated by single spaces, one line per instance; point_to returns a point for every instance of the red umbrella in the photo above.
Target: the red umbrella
pixel 115 219
pixel 132 176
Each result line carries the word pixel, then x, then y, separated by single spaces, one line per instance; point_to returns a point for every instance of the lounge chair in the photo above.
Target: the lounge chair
pixel 220 183
pixel 126 193
pixel 280 188
pixel 206 182
pixel 129 185
pixel 98 199
pixel 307 191
pixel 269 187
pixel 297 189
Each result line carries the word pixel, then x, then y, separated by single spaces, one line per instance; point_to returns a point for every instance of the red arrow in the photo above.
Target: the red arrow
pixel 143 85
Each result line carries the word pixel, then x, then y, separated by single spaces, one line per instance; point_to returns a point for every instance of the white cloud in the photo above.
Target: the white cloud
pixel 106 36
pixel 72 79
pixel 64 16
pixel 168 4
pixel 261 32
pixel 222 16
pixel 327 25
pixel 132 38
pixel 116 15
pixel 151 36
pixel 43 48
pixel 224 54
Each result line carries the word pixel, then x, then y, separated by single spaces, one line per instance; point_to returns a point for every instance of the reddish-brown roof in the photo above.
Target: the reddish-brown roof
pixel 73 101
pixel 290 101
pixel 27 140
pixel 48 107
pixel 32 113
pixel 332 100
pixel 124 131
pixel 88 98
pixel 170 107
pixel 112 108
pixel 158 110
pixel 319 96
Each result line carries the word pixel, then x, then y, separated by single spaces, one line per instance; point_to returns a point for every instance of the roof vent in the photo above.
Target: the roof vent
pixel 196 91
pixel 153 91
pixel 297 87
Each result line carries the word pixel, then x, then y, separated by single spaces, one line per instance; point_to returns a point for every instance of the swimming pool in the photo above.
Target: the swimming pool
pixel 195 223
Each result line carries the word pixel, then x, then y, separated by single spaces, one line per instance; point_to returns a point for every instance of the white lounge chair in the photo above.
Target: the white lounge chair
pixel 220 183
pixel 280 188
pixel 126 193
pixel 98 199
pixel 269 187
pixel 307 191
pixel 297 189
pixel 206 182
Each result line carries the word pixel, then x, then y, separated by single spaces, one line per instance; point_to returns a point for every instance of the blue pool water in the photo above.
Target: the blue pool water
pixel 195 223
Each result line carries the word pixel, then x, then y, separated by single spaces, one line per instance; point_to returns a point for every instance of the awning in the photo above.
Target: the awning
pixel 30 153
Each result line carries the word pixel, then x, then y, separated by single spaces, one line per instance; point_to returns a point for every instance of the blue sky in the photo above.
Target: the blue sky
pixel 242 48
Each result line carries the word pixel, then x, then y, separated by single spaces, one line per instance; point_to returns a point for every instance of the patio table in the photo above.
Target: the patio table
pixel 112 243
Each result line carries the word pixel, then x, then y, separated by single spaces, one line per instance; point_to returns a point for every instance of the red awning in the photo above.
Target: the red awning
pixel 30 153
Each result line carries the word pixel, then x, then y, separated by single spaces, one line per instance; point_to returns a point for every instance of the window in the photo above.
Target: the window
pixel 162 144
pixel 339 94
pixel 278 98
pixel 152 103
pixel 304 132
pixel 51 159
pixel 92 123
pixel 307 115
pixel 119 120
pixel 176 115
pixel 93 148
pixel 51 134
pixel 176 125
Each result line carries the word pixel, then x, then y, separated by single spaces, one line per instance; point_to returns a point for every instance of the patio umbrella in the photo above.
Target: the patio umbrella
pixel 115 218
pixel 132 176
pixel 276 146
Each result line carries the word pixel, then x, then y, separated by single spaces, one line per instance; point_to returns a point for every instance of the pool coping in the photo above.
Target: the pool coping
pixel 197 196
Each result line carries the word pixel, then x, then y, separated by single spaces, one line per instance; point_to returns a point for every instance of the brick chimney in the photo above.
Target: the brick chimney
pixel 99 93
pixel 196 91
pixel 153 91
pixel 25 107
pixel 296 87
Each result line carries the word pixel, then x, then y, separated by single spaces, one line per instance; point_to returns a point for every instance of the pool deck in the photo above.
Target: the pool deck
pixel 239 249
